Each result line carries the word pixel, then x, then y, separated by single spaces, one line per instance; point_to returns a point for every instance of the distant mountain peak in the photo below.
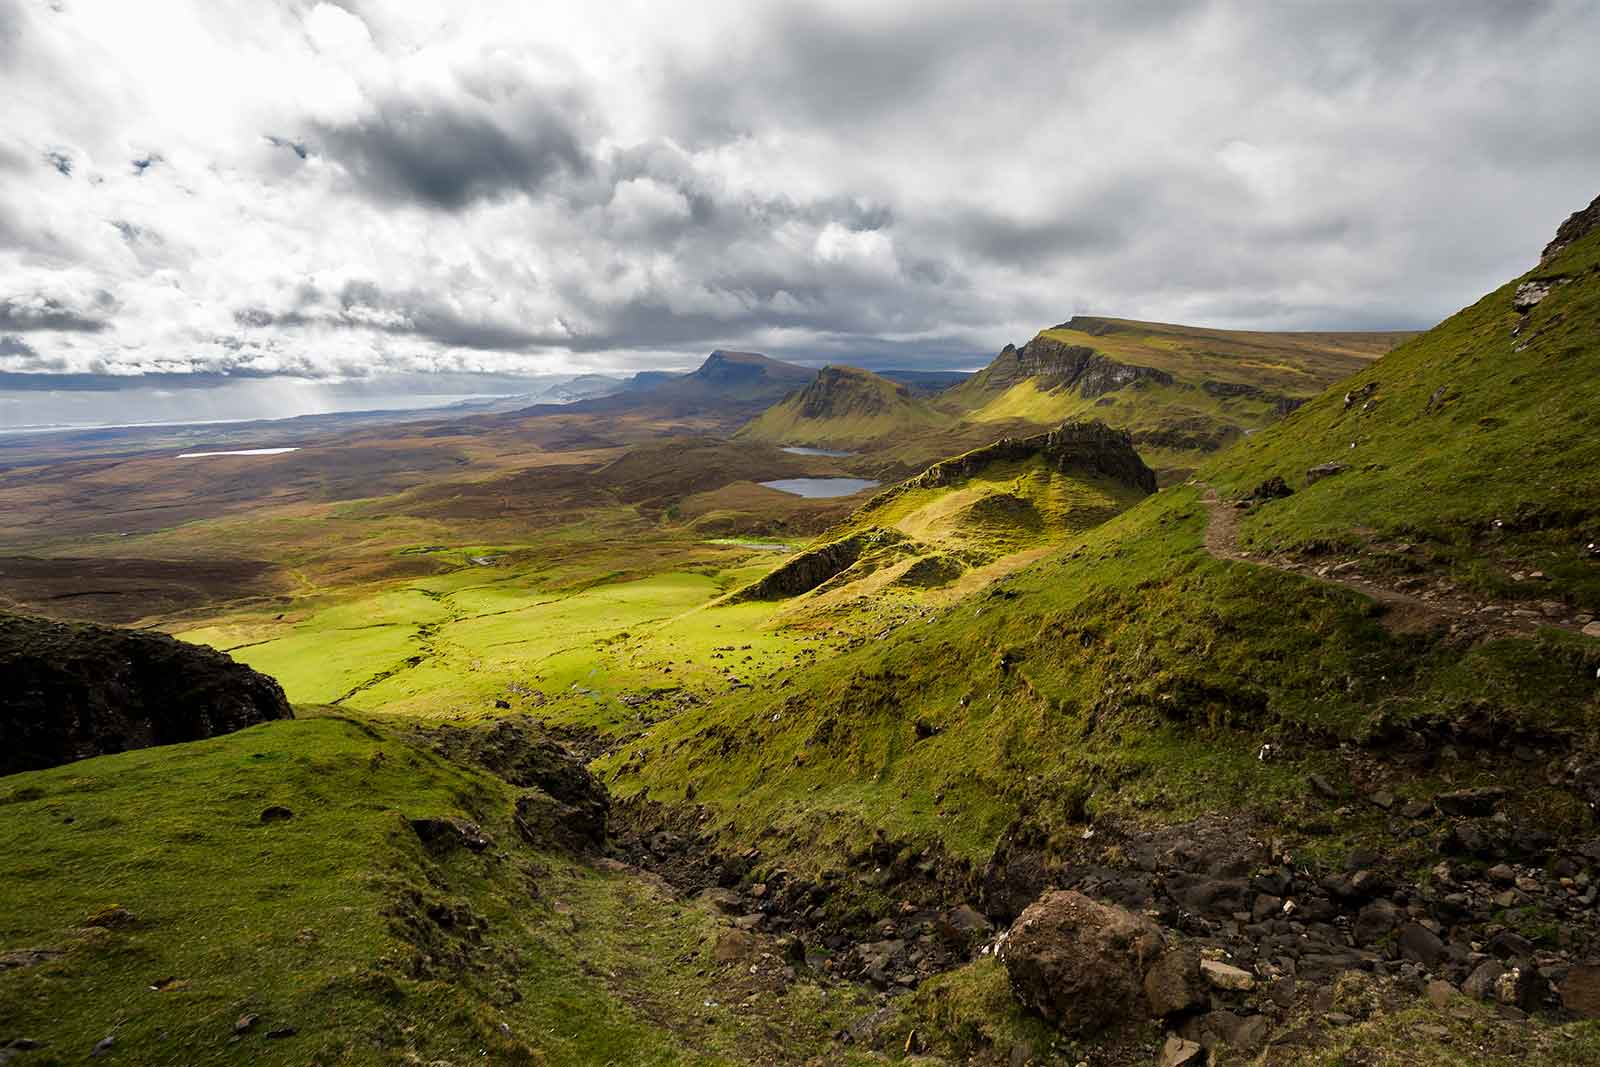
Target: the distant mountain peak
pixel 727 367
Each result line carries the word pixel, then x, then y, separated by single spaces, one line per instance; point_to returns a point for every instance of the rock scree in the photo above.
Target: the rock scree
pixel 74 690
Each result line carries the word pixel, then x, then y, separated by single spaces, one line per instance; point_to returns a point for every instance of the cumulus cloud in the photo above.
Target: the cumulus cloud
pixel 343 191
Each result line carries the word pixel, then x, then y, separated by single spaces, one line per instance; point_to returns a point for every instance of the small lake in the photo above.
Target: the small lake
pixel 239 452
pixel 806 450
pixel 820 487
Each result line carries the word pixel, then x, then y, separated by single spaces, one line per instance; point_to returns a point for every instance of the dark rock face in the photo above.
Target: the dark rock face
pixel 565 805
pixel 1057 366
pixel 806 570
pixel 76 690
pixel 1578 225
pixel 1232 390
pixel 839 391
pixel 1078 963
pixel 1089 447
pixel 1324 470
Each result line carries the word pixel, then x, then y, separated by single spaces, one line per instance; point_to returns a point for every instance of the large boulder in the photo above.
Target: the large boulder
pixel 1078 963
pixel 73 690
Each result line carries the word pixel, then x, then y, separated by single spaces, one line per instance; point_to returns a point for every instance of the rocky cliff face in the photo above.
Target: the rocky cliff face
pixel 1056 365
pixel 811 568
pixel 74 690
pixel 1091 448
pixel 1578 224
pixel 843 391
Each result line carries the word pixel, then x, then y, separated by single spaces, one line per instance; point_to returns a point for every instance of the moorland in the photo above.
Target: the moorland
pixel 604 751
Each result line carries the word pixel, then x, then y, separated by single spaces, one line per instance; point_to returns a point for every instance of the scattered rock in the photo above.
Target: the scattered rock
pixel 970 921
pixel 1469 803
pixel 276 813
pixel 1324 470
pixel 445 832
pixel 110 918
pixel 1416 809
pixel 1440 993
pixel 1421 945
pixel 1180 1053
pixel 282 1032
pixel 1592 630
pixel 1274 488
pixel 1173 984
pixel 734 945
pixel 245 1023
pixel 104 1045
pixel 724 900
pixel 27 957
pixel 1356 396
pixel 1480 984
pixel 1078 963
pixel 1530 294
pixel 1226 976
pixel 1322 787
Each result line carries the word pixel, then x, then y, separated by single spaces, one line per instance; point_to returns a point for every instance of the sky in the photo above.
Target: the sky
pixel 272 200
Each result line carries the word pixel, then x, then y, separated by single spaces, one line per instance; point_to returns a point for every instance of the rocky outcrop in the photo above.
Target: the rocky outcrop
pixel 806 570
pixel 1078 963
pixel 564 804
pixel 1232 390
pixel 1055 365
pixel 1091 448
pixel 73 690
pixel 1578 225
pixel 845 391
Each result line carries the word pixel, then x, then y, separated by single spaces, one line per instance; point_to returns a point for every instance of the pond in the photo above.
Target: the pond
pixel 239 452
pixel 807 450
pixel 820 487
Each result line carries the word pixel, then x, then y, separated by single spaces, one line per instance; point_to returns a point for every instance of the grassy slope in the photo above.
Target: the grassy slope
pixel 303 922
pixel 1132 672
pixel 1504 471
pixel 844 406
pixel 1294 365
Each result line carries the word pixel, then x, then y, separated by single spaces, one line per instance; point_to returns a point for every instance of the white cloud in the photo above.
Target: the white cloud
pixel 338 190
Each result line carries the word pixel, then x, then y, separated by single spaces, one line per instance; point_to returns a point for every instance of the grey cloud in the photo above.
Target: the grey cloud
pixel 47 313
pixel 12 345
pixel 297 147
pixel 364 305
pixel 446 154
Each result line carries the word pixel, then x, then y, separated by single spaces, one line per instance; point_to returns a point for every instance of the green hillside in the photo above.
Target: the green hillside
pixel 1087 677
pixel 843 406
pixel 1420 622
pixel 1183 391
pixel 979 512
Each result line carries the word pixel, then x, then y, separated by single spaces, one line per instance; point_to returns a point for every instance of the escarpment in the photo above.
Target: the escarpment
pixel 74 690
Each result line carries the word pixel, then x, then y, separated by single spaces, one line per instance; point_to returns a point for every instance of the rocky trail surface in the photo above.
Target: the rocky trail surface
pixel 1412 602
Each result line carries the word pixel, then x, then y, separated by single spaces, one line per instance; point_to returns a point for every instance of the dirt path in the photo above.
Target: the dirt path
pixel 1428 603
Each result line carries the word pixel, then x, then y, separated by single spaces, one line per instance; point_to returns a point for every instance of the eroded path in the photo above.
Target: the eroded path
pixel 1413 603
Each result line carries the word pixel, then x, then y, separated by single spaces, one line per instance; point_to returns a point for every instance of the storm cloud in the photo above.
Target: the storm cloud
pixel 437 153
pixel 323 191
